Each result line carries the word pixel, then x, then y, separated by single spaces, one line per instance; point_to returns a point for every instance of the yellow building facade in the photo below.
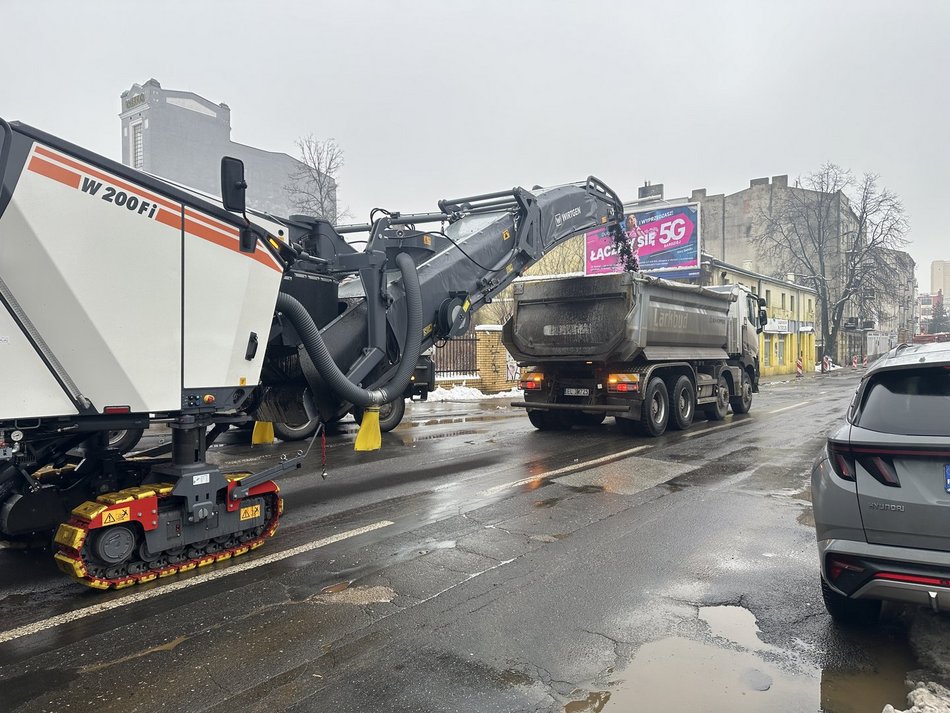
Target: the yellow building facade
pixel 790 332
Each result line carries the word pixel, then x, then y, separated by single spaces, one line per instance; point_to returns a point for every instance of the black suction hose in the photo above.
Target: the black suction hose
pixel 320 355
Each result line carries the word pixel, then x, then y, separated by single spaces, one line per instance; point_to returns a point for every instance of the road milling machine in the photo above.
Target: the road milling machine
pixel 126 301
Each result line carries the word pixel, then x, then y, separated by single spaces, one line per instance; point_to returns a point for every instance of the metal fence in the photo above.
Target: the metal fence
pixel 456 358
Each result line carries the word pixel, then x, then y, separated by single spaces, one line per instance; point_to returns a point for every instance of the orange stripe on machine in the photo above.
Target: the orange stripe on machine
pixel 137 200
pixel 96 173
pixel 57 173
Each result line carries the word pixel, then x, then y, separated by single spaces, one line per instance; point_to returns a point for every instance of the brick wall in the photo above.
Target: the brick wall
pixel 491 358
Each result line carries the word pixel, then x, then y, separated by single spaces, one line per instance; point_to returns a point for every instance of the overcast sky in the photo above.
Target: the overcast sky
pixel 444 97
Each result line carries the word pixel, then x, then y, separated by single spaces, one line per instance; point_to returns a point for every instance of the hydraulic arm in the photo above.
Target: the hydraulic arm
pixel 126 300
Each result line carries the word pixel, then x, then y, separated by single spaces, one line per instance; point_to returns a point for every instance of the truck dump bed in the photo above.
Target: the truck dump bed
pixel 616 318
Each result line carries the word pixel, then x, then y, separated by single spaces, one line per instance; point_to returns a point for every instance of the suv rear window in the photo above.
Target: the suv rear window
pixel 911 402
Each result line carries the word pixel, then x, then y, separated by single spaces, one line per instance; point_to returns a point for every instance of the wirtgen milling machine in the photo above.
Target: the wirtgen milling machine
pixel 125 300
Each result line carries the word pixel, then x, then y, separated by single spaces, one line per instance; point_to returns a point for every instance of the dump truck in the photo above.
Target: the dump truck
pixel 127 301
pixel 649 352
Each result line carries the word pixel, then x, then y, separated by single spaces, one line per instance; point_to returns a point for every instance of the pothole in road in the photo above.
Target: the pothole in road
pixel 629 477
pixel 355 595
pixel 677 673
pixel 682 675
pixel 335 588
pixel 736 624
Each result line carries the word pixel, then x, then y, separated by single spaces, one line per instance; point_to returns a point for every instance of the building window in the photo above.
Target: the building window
pixel 783 300
pixel 809 306
pixel 767 352
pixel 791 304
pixel 138 153
pixel 768 298
pixel 780 344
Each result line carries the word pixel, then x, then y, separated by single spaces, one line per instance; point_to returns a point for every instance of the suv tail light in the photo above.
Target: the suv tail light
pixel 881 469
pixel 877 462
pixel 841 565
pixel 842 460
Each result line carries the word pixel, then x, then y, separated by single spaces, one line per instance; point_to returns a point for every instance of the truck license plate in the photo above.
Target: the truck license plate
pixel 576 392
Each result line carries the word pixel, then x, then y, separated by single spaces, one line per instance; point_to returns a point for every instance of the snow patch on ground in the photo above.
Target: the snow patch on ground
pixel 468 393
pixel 925 698
pixel 930 639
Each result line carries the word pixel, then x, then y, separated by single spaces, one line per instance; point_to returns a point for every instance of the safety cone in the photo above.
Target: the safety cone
pixel 263 433
pixel 369 437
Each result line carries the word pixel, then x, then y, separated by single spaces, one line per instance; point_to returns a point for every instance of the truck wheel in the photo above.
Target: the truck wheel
pixel 390 415
pixel 547 421
pixel 682 404
pixel 720 409
pixel 126 439
pixel 742 402
pixel 656 407
pixel 288 432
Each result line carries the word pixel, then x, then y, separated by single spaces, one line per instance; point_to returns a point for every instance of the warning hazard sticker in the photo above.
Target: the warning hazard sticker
pixel 250 512
pixel 115 516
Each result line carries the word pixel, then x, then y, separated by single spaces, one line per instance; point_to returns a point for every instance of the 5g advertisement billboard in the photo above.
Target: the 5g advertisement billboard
pixel 666 240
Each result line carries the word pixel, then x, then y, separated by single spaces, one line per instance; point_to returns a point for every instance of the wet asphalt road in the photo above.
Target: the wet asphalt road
pixel 474 564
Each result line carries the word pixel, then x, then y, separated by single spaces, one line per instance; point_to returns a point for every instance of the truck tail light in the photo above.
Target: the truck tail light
pixel 842 460
pixel 623 383
pixel 531 381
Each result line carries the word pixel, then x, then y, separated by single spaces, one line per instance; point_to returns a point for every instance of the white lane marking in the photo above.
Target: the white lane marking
pixel 559 471
pixel 446 486
pixel 733 424
pixel 161 590
pixel 787 408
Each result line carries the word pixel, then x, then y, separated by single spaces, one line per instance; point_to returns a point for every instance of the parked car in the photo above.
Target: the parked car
pixel 881 489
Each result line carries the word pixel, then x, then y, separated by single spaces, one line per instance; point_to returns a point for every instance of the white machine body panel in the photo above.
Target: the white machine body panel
pixel 101 282
pixel 26 385
pixel 98 265
pixel 227 311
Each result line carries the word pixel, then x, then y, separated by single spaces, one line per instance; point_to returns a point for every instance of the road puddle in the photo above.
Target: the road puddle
pixel 736 624
pixel 743 673
pixel 682 675
pixel 848 691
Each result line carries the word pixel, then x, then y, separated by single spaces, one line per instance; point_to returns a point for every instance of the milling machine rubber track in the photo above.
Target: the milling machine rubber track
pixel 73 557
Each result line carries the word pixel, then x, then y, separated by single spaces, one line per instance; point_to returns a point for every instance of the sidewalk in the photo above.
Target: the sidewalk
pixel 808 376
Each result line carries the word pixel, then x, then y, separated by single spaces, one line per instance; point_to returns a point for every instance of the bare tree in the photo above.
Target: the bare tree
pixel 838 234
pixel 313 187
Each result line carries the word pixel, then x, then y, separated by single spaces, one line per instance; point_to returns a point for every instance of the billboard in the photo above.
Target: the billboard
pixel 666 240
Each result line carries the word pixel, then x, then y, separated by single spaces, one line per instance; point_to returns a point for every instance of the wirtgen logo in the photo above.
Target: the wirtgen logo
pixel 566 215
